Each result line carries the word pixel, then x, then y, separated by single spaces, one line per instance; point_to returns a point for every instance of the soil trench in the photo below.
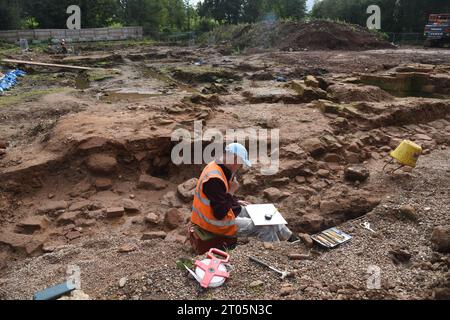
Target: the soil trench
pixel 87 176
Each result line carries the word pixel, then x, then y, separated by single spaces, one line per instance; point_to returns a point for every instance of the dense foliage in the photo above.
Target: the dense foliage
pixel 168 16
pixel 396 15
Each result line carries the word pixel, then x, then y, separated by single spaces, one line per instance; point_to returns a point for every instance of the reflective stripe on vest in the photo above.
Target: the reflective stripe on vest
pixel 217 223
pixel 205 201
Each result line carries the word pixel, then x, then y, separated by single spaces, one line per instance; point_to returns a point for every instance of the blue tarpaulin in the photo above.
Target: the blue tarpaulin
pixel 10 79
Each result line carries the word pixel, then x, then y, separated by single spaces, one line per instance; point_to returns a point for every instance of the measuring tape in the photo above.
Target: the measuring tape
pixel 211 272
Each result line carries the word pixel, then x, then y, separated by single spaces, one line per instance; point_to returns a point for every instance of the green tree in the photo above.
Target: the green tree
pixel 49 13
pixel 252 10
pixel 235 11
pixel 146 13
pixel 99 13
pixel 52 13
pixel 396 15
pixel 177 14
pixel 224 11
pixel 10 13
pixel 289 9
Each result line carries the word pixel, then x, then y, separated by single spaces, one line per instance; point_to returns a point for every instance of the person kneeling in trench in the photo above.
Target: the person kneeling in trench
pixel 217 210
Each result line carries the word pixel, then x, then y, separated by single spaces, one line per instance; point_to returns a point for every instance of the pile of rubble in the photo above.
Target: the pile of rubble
pixel 312 35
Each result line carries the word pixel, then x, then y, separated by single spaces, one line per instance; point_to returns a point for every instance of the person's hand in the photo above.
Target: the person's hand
pixel 234 186
pixel 244 203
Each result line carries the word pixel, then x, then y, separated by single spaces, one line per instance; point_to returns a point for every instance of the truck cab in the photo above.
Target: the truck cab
pixel 437 31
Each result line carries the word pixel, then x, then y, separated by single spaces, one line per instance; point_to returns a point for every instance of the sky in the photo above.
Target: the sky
pixel 309 3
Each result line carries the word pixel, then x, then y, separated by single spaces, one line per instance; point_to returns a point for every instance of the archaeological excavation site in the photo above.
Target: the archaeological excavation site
pixel 88 181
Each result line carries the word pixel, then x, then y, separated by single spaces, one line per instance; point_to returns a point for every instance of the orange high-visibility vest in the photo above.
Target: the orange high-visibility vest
pixel 202 212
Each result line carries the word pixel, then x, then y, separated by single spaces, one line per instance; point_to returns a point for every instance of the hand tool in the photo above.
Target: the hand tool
pixel 283 274
pixel 325 241
pixel 334 234
pixel 366 225
pixel 335 237
pixel 329 238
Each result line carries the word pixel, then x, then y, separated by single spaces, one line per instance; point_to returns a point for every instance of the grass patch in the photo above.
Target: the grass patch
pixel 17 96
pixel 102 74
pixel 145 41
pixel 202 74
pixel 7 49
pixel 102 45
pixel 223 33
pixel 188 262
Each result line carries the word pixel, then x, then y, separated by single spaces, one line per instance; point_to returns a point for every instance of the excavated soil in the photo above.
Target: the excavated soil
pixel 87 179
pixel 312 35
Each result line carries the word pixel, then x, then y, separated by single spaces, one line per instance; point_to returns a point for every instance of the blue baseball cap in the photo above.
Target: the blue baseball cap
pixel 240 151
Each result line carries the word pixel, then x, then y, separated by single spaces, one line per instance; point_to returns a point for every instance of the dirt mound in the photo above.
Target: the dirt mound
pixel 329 35
pixel 313 35
pixel 351 92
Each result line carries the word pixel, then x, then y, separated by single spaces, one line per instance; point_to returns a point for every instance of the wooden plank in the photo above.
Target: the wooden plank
pixel 46 64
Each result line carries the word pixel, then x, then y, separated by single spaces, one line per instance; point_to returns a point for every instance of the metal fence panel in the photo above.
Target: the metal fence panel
pixel 407 38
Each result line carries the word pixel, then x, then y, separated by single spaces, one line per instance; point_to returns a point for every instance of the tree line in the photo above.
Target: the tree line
pixel 248 11
pixel 396 15
pixel 168 16
pixel 153 15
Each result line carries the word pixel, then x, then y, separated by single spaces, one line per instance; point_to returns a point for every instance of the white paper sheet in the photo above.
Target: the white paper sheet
pixel 257 213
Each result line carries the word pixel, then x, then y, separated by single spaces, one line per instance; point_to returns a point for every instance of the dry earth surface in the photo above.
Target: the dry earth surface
pixel 86 176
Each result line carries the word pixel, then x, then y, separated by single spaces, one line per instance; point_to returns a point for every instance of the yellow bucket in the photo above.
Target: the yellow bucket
pixel 407 153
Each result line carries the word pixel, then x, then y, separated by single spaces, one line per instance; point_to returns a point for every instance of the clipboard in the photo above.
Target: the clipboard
pixel 257 213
